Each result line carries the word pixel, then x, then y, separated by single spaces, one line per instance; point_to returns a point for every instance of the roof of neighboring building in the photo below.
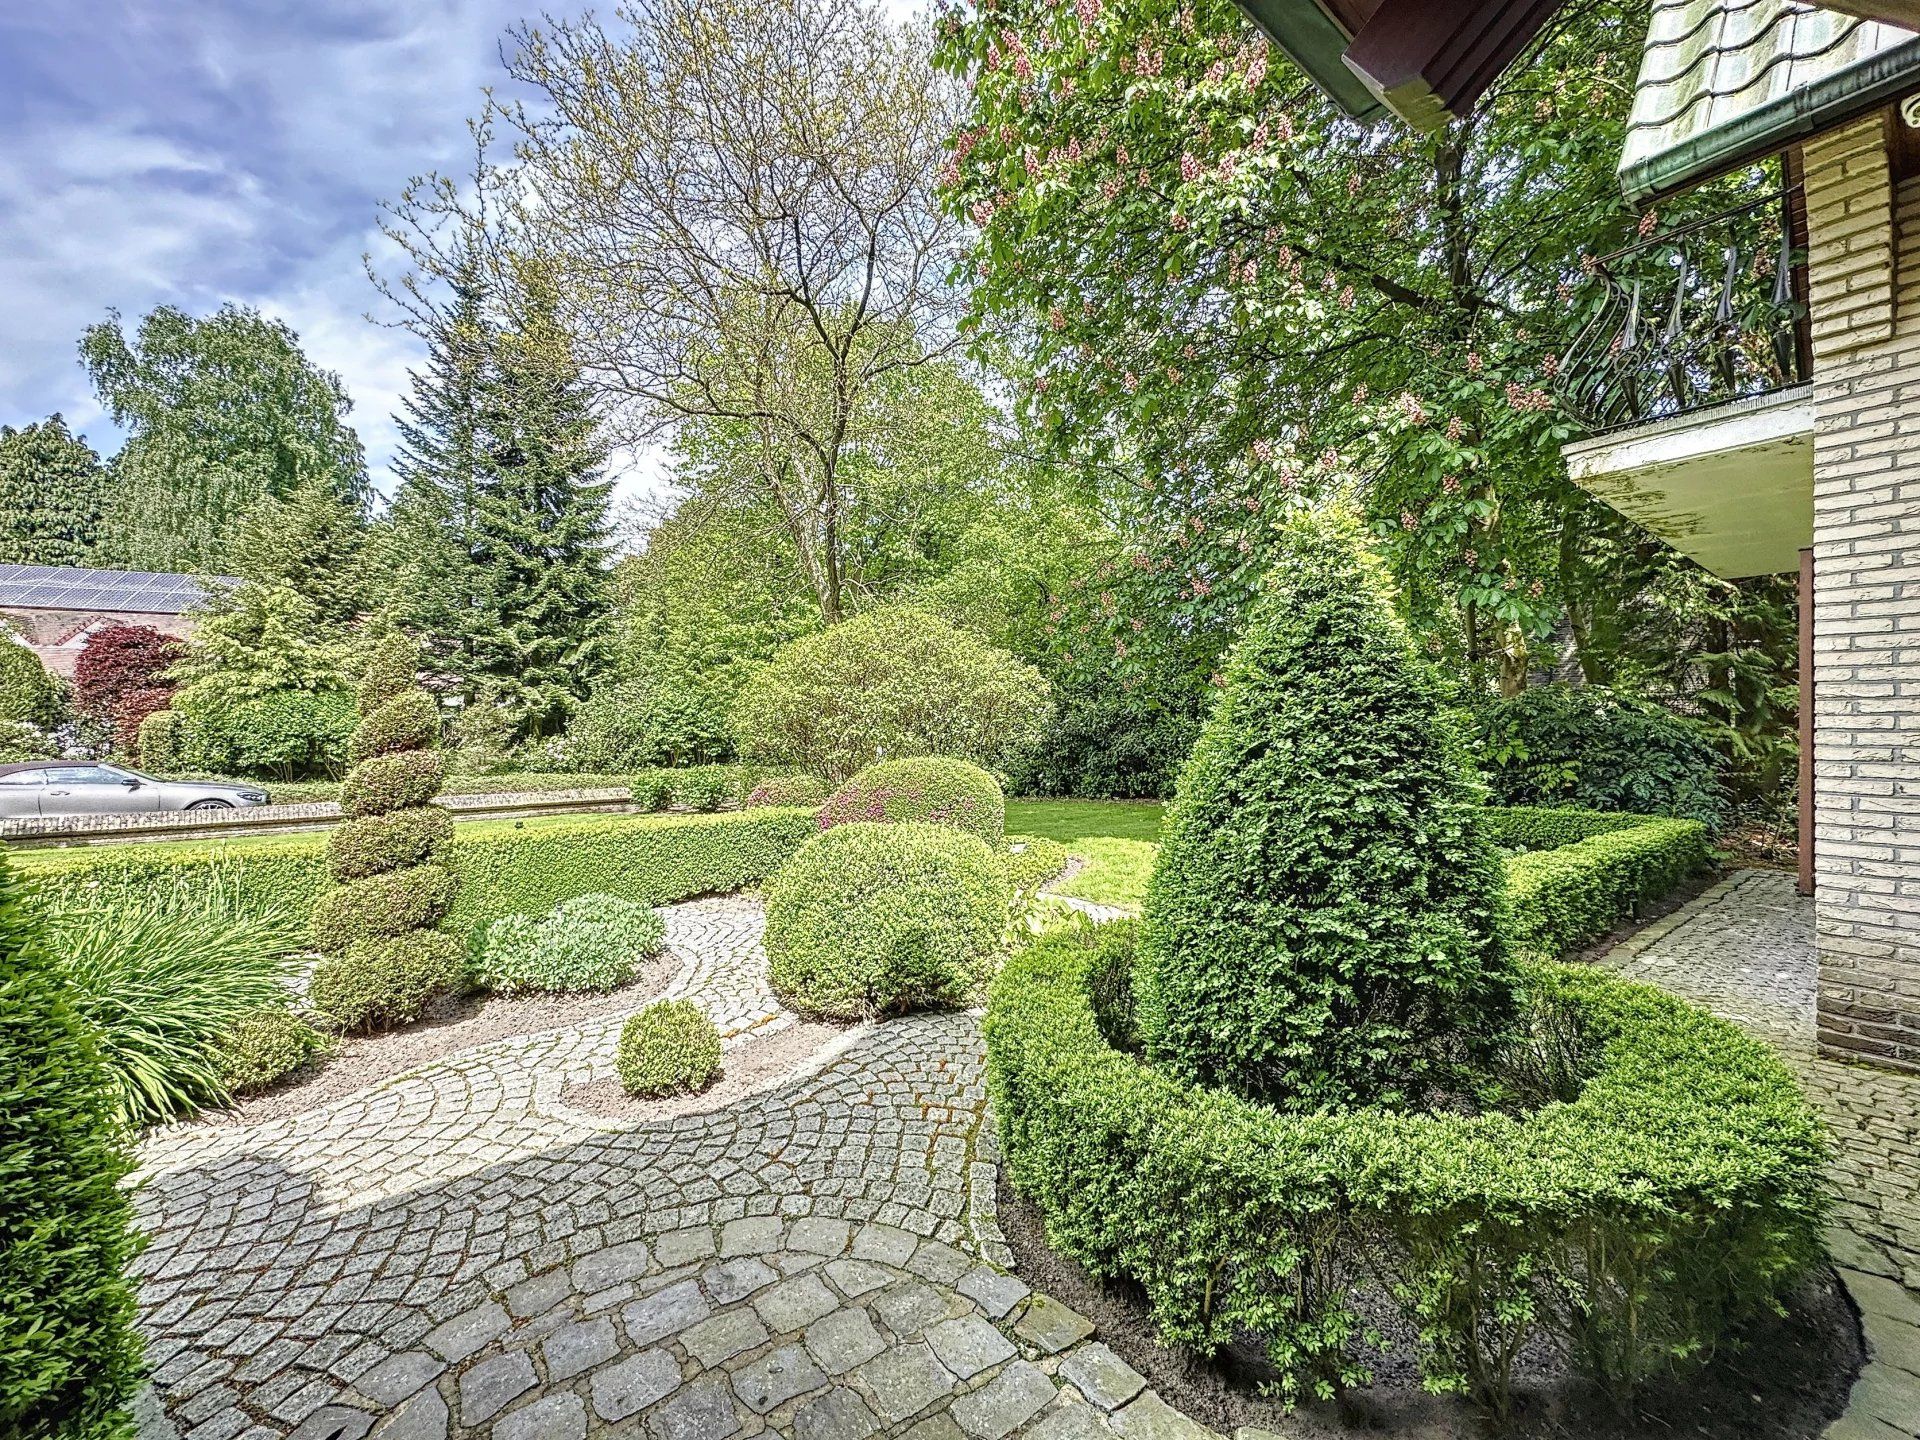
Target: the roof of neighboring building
pixel 65 587
pixel 1725 81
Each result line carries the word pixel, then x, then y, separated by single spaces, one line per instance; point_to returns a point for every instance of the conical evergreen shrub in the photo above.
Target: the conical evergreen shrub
pixel 1322 928
pixel 68 1355
pixel 378 928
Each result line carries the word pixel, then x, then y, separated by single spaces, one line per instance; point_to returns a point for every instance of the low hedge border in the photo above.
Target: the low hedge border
pixel 503 868
pixel 1677 1192
pixel 1564 897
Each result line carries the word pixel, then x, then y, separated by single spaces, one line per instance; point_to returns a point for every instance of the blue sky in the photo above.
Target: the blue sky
pixel 199 151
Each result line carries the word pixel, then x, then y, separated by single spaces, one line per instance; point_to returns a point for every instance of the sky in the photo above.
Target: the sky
pixel 193 152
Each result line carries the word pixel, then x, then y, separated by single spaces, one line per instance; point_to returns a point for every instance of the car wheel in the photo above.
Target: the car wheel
pixel 209 805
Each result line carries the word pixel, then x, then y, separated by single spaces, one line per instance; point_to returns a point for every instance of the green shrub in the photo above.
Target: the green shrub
pixel 29 692
pixel 162 980
pixel 895 681
pixel 162 741
pixel 377 983
pixel 409 721
pixel 266 1047
pixel 1030 862
pixel 935 790
pixel 380 905
pixel 698 787
pixel 20 741
pixel 392 782
pixel 1561 899
pixel 669 1048
pixel 1678 1192
pixel 788 790
pixel 1105 743
pixel 284 734
pixel 359 848
pixel 1322 926
pixel 591 942
pixel 1598 750
pixel 392 669
pixel 875 919
pixel 69 1357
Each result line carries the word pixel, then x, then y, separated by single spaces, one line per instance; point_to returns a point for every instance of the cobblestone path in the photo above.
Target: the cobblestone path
pixel 1745 949
pixel 456 1252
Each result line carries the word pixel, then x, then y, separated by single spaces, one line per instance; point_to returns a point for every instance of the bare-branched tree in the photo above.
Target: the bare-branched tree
pixel 733 201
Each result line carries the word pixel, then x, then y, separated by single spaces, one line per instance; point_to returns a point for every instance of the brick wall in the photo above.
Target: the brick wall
pixel 1864 279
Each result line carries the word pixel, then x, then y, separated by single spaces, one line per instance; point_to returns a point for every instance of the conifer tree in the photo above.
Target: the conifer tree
pixel 51 484
pixel 540 536
pixel 313 542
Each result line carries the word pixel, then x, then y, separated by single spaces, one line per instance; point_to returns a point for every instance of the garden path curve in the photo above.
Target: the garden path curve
pixel 456 1251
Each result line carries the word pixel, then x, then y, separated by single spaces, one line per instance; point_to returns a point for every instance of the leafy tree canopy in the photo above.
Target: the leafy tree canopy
pixel 50 496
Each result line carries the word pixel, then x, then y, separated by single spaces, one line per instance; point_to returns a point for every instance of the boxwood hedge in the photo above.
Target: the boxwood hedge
pixel 1671 1190
pixel 1577 886
pixel 504 867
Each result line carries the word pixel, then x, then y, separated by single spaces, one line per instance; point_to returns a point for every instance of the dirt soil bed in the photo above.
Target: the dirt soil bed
pixel 759 1062
pixel 454 1024
pixel 1788 1381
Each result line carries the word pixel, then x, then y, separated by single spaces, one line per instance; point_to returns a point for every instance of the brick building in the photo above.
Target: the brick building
pixel 54 608
pixel 1751 383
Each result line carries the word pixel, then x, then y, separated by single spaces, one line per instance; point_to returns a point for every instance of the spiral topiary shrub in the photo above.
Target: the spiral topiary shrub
pixel 385 958
pixel 377 983
pixel 69 1359
pixel 934 790
pixel 592 942
pixel 875 919
pixel 669 1048
pixel 1323 924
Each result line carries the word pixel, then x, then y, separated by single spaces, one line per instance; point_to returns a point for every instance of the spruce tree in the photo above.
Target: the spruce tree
pixel 540 535
pixel 51 485
pixel 1322 925
pixel 313 542
pixel 428 542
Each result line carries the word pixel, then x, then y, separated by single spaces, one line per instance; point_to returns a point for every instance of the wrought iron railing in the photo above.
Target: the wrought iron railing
pixel 1702 315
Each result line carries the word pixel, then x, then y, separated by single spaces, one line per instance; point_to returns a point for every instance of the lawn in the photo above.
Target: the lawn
pixel 1116 841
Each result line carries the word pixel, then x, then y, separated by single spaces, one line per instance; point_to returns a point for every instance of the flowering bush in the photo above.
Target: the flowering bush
pixel 934 790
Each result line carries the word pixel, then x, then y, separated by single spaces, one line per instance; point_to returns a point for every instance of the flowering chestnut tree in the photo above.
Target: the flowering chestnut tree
pixel 1226 297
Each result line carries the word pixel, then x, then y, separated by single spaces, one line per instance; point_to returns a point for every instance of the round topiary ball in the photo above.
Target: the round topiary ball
pixel 387 783
pixel 934 790
pixel 409 721
pixel 1323 924
pixel 669 1048
pixel 872 919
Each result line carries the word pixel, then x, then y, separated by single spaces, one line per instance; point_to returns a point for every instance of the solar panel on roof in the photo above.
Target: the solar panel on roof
pixel 60 587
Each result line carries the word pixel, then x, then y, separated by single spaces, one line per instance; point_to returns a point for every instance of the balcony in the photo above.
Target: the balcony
pixel 1691 376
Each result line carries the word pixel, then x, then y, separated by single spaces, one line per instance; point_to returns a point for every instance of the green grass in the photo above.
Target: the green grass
pixel 1116 841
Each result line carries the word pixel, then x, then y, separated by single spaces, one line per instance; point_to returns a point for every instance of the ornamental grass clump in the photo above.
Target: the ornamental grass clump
pixel 1323 925
pixel 877 919
pixel 385 958
pixel 69 1359
pixel 933 789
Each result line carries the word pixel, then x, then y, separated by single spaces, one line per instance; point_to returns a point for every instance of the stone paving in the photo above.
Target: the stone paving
pixel 1745 949
pixel 455 1252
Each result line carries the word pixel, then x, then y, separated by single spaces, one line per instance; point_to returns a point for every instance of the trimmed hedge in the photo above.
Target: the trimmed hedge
pixel 788 790
pixel 505 867
pixel 669 1048
pixel 877 919
pixel 1562 898
pixel 69 1357
pixel 1676 1191
pixel 702 787
pixel 268 1046
pixel 1535 827
pixel 931 789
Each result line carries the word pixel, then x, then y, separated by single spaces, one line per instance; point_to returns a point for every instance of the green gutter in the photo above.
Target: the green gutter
pixel 1314 43
pixel 1829 101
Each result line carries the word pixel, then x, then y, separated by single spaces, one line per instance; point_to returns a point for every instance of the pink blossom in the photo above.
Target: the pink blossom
pixel 1647 223
pixel 1131 381
pixel 1189 167
pixel 1474 362
pixel 1263 451
pixel 1086 10
pixel 1455 428
pixel 1346 297
pixel 1202 588
pixel 1177 220
pixel 1408 521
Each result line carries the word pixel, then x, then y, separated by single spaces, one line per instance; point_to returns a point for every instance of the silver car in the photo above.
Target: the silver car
pixel 66 787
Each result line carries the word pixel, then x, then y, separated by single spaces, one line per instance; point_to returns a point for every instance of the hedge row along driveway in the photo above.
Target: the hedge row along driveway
pixel 504 867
